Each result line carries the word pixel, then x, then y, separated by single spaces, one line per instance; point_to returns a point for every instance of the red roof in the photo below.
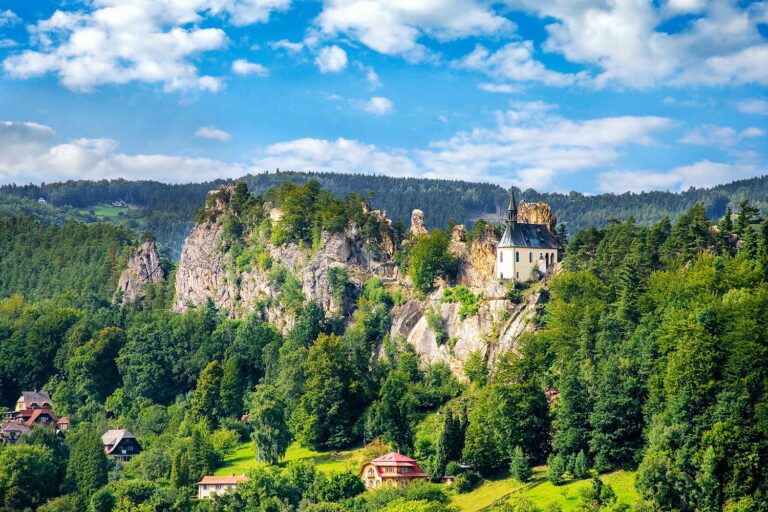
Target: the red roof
pixel 39 412
pixel 231 480
pixel 396 459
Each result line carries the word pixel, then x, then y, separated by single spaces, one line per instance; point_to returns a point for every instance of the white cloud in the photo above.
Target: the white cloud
pixel 500 88
pixel 515 62
pixel 372 78
pixel 622 39
pixel 712 135
pixel 243 67
pixel 331 59
pixel 753 106
pixel 30 152
pixel 213 133
pixel 7 43
pixel 395 27
pixel 8 17
pixel 379 105
pixel 114 42
pixel 289 46
pixel 341 155
pixel 702 174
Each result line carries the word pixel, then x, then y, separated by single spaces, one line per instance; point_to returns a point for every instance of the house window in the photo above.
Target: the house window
pixel 501 274
pixel 517 275
pixel 530 257
pixel 517 256
pixel 501 256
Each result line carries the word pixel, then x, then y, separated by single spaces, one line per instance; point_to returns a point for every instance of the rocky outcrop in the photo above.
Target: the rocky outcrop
pixel 417 223
pixel 143 268
pixel 536 213
pixel 493 331
pixel 478 259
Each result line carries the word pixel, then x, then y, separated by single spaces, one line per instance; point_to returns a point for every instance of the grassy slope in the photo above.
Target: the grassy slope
pixel 102 210
pixel 244 459
pixel 542 493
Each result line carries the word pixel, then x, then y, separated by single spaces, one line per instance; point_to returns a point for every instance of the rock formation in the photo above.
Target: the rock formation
pixel 143 268
pixel 417 223
pixel 536 213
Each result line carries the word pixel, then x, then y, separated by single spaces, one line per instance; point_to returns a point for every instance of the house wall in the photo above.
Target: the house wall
pixel 206 491
pixel 370 477
pixel 518 263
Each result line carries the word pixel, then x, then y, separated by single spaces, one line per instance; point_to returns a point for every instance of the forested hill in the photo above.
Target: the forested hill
pixel 168 210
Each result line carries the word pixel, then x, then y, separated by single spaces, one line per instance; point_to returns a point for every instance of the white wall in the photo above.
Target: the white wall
pixel 518 263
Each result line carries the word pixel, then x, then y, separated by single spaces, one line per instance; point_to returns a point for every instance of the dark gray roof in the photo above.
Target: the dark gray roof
pixel 518 234
pixel 37 397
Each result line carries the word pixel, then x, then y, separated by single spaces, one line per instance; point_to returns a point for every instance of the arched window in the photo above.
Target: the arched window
pixel 517 256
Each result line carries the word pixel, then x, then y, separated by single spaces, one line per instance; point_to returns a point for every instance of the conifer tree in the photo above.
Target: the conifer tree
pixel 573 409
pixel 556 469
pixel 88 466
pixel 746 216
pixel 232 387
pixel 519 466
pixel 205 399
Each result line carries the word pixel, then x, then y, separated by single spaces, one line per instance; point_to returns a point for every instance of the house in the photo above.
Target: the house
pixel 525 251
pixel 120 444
pixel 211 485
pixel 42 201
pixel 391 470
pixel 33 400
pixel 10 431
pixel 119 204
pixel 31 417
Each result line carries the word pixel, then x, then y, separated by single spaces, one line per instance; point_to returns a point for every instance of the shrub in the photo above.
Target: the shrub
pixel 468 300
pixel 467 481
pixel 453 468
pixel 436 325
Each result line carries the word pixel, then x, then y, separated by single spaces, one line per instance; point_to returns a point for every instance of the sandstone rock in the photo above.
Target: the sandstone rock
pixel 536 213
pixel 477 268
pixel 417 223
pixel 142 268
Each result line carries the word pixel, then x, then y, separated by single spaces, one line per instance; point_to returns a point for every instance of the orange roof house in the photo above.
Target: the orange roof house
pixel 391 470
pixel 210 485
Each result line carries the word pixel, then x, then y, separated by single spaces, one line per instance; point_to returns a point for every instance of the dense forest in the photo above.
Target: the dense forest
pixel 650 355
pixel 168 210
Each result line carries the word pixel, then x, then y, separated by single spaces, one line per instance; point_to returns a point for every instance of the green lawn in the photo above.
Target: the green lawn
pixel 103 210
pixel 244 459
pixel 541 492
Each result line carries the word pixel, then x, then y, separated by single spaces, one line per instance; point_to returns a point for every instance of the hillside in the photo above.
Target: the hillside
pixel 168 210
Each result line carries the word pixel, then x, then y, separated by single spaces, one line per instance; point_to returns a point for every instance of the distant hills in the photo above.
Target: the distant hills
pixel 168 210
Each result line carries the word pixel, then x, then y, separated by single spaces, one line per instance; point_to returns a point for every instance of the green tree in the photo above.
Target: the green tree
pixel 27 476
pixel 266 415
pixel 233 386
pixel 430 259
pixel 88 466
pixel 556 469
pixel 205 399
pixel 519 467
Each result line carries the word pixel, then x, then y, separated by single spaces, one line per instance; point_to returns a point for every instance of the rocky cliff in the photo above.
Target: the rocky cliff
pixel 208 269
pixel 143 268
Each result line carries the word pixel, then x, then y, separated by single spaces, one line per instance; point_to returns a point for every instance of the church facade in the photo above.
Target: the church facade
pixel 525 251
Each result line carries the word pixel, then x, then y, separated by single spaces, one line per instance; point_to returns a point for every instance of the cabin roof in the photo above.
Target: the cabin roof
pixel 35 397
pixel 112 438
pixel 222 480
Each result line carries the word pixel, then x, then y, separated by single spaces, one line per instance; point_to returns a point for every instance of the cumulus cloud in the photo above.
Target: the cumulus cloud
pixel 331 59
pixel 30 152
pixel 213 133
pixel 753 106
pixel 702 174
pixel 379 106
pixel 112 42
pixel 243 67
pixel 8 17
pixel 513 61
pixel 341 154
pixel 285 44
pixel 712 135
pixel 394 28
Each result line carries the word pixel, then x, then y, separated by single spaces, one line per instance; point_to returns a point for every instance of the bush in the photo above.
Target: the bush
pixel 430 259
pixel 468 300
pixel 453 468
pixel 467 481
pixel 436 325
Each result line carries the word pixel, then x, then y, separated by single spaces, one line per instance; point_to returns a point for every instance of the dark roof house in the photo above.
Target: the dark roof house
pixel 120 444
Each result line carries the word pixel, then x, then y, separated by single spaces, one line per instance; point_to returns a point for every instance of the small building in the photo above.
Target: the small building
pixel 525 251
pixel 33 400
pixel 120 444
pixel 119 204
pixel 32 417
pixel 42 201
pixel 391 470
pixel 11 431
pixel 211 485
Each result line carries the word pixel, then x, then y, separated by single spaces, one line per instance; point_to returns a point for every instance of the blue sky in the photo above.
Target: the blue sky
pixel 558 95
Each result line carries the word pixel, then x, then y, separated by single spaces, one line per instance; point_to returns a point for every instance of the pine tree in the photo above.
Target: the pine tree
pixel 573 409
pixel 450 442
pixel 205 398
pixel 519 466
pixel 746 216
pixel 579 467
pixel 232 387
pixel 556 469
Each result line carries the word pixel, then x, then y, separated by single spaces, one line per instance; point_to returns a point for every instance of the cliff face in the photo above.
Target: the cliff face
pixel 143 268
pixel 536 213
pixel 206 270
